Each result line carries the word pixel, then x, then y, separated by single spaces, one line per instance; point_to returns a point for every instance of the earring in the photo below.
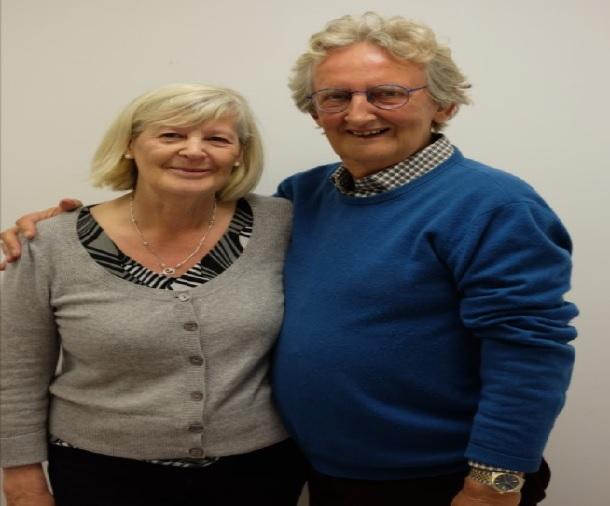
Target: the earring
pixel 127 156
pixel 236 164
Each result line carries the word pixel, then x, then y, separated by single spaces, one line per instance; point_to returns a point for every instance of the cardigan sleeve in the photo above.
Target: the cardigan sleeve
pixel 29 350
pixel 512 268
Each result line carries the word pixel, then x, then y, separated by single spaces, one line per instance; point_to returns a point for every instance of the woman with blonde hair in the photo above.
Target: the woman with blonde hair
pixel 136 333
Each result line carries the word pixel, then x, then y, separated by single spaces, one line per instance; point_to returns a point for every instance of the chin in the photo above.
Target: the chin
pixel 190 191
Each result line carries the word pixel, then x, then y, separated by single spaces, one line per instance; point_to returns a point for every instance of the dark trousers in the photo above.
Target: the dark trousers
pixel 272 476
pixel 437 491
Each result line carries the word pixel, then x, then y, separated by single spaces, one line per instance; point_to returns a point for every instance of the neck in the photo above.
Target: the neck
pixel 172 214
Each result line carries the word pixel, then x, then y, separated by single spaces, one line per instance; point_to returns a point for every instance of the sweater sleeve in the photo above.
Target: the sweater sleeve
pixel 29 352
pixel 512 267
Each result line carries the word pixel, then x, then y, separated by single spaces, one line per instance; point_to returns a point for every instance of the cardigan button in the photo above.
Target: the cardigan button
pixel 195 360
pixel 184 297
pixel 196 427
pixel 197 396
pixel 196 452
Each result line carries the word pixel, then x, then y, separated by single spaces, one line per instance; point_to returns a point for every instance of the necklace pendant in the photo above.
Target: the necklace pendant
pixel 165 269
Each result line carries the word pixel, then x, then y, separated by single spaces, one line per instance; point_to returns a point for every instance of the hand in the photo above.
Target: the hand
pixel 26 486
pixel 26 225
pixel 29 498
pixel 479 494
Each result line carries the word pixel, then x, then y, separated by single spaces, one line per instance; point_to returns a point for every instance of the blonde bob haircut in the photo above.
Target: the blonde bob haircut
pixel 402 37
pixel 179 105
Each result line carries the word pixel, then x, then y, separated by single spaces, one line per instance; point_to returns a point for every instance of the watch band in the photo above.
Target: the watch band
pixel 504 482
pixel 480 465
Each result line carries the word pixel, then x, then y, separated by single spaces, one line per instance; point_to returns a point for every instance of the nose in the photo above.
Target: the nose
pixel 359 110
pixel 193 147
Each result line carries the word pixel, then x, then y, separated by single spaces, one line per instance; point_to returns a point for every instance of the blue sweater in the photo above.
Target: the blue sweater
pixel 423 326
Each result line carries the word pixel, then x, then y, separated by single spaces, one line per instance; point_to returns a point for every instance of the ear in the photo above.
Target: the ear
pixel 128 151
pixel 445 113
pixel 316 118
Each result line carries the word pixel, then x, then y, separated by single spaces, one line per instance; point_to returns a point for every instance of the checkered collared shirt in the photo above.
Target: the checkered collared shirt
pixel 398 175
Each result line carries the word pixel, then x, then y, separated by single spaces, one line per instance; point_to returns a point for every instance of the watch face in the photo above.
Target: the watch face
pixel 506 482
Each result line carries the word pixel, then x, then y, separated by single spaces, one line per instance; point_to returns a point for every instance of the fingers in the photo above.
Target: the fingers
pixel 69 204
pixel 10 246
pixel 26 225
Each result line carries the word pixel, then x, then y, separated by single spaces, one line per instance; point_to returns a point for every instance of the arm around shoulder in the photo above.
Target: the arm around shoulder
pixel 26 226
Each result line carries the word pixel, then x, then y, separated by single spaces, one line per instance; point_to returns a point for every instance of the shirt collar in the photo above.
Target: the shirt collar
pixel 397 175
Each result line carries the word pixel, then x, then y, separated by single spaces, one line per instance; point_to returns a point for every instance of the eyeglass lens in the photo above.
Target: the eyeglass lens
pixel 384 97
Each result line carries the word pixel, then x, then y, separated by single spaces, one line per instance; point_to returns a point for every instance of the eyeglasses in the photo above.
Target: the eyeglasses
pixel 384 96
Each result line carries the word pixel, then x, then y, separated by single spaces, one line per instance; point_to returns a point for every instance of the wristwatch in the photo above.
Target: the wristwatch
pixel 504 482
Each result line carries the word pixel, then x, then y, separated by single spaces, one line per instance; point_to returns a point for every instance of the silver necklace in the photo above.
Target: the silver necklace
pixel 169 270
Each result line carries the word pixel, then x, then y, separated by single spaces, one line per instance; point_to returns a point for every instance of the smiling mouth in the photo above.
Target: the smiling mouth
pixel 368 133
pixel 189 170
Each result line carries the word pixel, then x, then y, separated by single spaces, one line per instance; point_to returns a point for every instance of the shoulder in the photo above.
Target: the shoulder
pixel 470 198
pixel 306 181
pixel 315 173
pixel 48 231
pixel 275 212
pixel 263 202
pixel 470 189
pixel 474 178
pixel 263 205
pixel 51 245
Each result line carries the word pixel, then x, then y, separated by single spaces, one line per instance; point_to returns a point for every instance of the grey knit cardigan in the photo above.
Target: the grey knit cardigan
pixel 143 373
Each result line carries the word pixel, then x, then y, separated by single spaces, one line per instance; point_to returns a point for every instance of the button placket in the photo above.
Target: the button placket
pixel 186 314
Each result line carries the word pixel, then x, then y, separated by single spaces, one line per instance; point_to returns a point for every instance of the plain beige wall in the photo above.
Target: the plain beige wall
pixel 540 74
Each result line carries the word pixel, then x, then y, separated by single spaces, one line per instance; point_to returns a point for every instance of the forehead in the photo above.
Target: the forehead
pixel 365 64
pixel 224 123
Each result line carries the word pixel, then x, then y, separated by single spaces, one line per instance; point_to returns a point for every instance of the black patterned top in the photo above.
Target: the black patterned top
pixel 227 250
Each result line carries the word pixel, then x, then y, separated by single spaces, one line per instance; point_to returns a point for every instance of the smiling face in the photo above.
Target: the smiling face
pixel 366 138
pixel 188 161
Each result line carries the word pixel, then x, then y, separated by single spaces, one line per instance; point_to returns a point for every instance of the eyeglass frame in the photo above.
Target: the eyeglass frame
pixel 368 96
